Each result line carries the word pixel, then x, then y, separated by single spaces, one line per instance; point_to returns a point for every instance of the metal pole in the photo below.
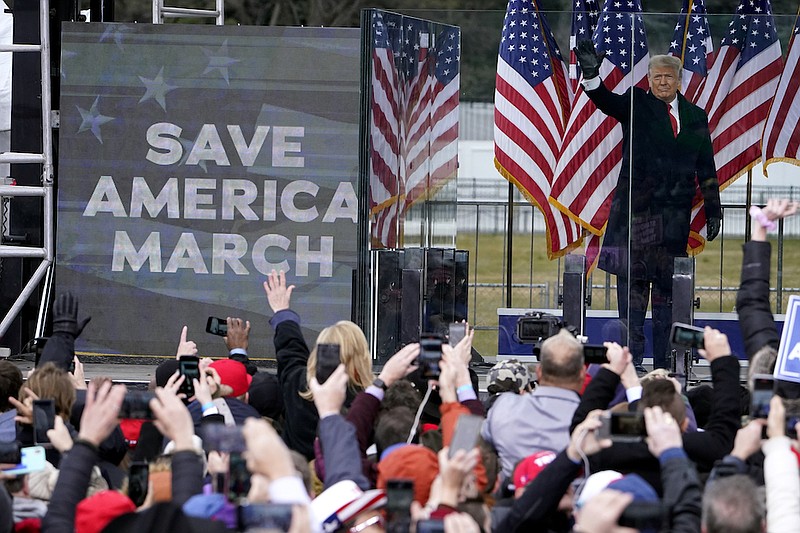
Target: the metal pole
pixel 509 242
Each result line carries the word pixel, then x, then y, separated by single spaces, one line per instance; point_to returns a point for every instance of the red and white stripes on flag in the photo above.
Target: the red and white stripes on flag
pixel 414 118
pixel 386 189
pixel 591 154
pixel 781 140
pixel 532 101
pixel 740 87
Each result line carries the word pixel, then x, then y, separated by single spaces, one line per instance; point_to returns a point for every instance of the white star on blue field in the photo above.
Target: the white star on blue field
pixel 156 89
pixel 220 61
pixel 93 119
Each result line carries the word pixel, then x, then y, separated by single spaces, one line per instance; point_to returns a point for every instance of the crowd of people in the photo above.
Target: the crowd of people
pixel 249 450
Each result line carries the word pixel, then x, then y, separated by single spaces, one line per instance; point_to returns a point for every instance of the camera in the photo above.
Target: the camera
pixel 535 327
pixel 430 353
pixel 622 427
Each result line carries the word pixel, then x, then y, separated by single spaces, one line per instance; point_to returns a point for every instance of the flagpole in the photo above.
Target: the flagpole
pixel 510 242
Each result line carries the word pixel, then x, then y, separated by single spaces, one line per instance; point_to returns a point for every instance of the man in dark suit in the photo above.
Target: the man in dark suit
pixel 667 154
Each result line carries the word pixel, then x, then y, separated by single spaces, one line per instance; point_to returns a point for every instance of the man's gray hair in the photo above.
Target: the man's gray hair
pixel 732 505
pixel 665 61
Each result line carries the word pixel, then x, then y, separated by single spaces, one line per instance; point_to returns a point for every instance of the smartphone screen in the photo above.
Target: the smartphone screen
pixel 188 366
pixel 430 353
pixel 44 418
pixel 138 477
pixel 328 359
pixel 32 460
pixel 399 495
pixel 136 405
pixel 217 326
pixel 761 395
pixel 458 330
pixel 238 477
pixel 686 335
pixel 265 516
pixel 465 437
pixel 594 354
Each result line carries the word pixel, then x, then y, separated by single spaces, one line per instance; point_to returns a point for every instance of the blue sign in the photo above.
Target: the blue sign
pixel 788 365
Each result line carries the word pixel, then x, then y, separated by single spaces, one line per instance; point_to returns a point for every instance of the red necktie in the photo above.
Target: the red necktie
pixel 673 121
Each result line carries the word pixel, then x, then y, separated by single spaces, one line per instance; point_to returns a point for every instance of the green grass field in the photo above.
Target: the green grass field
pixel 536 279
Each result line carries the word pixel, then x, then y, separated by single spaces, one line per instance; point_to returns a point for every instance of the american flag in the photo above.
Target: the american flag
pixel 433 146
pixel 584 22
pixel 414 122
pixel 591 155
pixel 740 87
pixel 387 191
pixel 691 42
pixel 532 102
pixel 781 141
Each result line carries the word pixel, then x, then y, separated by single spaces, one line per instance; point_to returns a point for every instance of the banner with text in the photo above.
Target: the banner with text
pixel 194 160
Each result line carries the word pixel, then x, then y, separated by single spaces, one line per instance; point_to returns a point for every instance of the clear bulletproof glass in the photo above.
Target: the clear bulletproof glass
pixel 631 231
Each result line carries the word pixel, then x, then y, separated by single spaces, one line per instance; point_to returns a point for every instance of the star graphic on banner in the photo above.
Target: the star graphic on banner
pixel 92 120
pixel 115 32
pixel 66 55
pixel 156 89
pixel 219 60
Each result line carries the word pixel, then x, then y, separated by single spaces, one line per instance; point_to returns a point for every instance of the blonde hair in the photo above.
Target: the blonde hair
pixel 353 352
pixel 50 382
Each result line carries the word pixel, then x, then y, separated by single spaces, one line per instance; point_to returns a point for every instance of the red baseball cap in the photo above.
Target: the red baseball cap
pixel 233 374
pixel 529 468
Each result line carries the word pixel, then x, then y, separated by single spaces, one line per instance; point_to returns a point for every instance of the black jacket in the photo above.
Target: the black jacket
pixel 73 480
pixel 752 301
pixel 666 172
pixel 291 351
pixel 702 447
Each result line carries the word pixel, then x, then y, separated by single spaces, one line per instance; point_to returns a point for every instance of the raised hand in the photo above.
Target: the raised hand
pixel 185 347
pixel 279 296
pixel 238 333
pixel 588 59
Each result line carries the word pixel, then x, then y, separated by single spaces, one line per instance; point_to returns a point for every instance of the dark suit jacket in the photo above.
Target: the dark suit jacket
pixel 666 172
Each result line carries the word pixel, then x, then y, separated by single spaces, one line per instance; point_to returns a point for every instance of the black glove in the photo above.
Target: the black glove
pixel 588 59
pixel 65 316
pixel 712 228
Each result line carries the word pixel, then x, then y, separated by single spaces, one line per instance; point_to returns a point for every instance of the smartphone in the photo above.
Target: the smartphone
pixel 138 477
pixel 594 354
pixel 328 359
pixel 222 438
pixel 430 525
pixel 71 369
pixel 264 516
pixel 44 418
pixel 430 353
pixel 399 495
pixel 648 516
pixel 238 477
pixel 136 405
pixel 622 427
pixel 217 326
pixel 761 395
pixel 458 330
pixel 686 335
pixel 465 437
pixel 189 367
pixel 32 460
pixel 10 453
